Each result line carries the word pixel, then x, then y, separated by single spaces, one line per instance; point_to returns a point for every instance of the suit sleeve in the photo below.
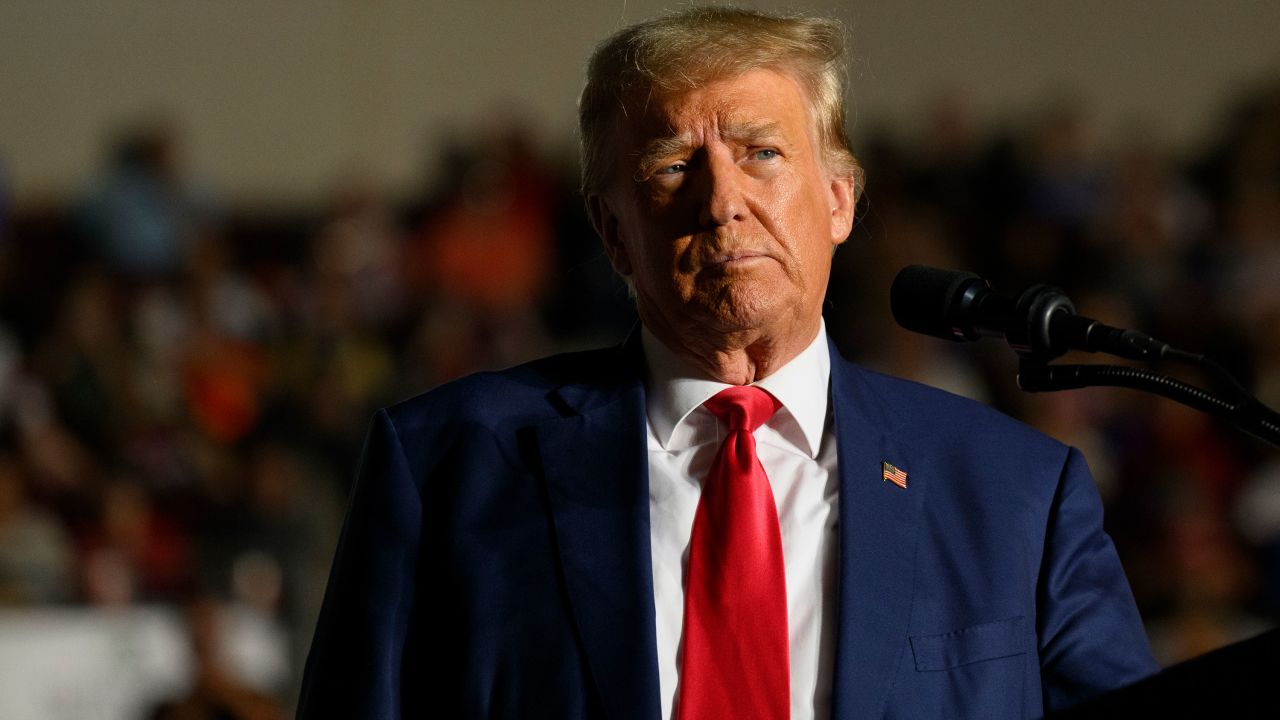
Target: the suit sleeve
pixel 353 669
pixel 1091 636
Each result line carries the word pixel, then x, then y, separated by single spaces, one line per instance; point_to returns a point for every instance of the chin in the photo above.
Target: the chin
pixel 737 309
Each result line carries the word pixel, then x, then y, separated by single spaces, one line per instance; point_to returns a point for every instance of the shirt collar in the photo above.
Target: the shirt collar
pixel 676 390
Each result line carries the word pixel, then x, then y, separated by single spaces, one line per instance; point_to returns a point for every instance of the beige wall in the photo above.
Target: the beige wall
pixel 279 97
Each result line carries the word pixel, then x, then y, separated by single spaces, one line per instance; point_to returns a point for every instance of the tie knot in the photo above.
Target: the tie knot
pixel 743 407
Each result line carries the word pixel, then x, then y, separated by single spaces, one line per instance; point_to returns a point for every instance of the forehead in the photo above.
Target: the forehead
pixel 761 98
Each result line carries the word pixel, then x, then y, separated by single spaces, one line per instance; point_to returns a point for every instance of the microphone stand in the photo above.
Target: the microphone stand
pixel 1044 326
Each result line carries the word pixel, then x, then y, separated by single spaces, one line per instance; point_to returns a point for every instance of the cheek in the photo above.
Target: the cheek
pixel 805 223
pixel 661 265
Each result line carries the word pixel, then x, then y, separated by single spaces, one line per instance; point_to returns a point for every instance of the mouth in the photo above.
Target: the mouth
pixel 733 258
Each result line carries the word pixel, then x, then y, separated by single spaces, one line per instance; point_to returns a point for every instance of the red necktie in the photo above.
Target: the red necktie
pixel 736 653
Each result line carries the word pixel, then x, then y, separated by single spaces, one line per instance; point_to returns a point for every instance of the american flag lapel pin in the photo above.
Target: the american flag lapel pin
pixel 894 475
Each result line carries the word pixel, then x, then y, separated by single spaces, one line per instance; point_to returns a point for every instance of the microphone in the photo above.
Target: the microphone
pixel 1041 324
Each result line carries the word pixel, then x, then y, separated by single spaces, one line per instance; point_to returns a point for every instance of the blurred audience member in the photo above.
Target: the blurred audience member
pixel 362 248
pixel 217 694
pixel 142 217
pixel 490 244
pixel 134 552
pixel 37 557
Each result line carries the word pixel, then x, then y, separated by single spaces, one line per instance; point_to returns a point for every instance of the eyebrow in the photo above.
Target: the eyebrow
pixel 745 133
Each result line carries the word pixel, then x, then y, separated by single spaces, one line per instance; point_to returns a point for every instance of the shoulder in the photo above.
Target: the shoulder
pixel 928 418
pixel 523 391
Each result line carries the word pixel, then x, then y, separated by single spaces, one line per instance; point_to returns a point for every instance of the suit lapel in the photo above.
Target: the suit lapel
pixel 595 465
pixel 877 531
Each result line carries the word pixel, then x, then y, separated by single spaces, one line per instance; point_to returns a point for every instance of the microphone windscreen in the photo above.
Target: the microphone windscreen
pixel 927 300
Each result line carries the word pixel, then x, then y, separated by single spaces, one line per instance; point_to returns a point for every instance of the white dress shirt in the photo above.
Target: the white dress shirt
pixel 798 451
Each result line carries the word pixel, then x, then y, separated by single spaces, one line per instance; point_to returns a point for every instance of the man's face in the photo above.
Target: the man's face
pixel 721 208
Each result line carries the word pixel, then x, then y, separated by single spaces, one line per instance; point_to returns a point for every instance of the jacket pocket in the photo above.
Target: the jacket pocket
pixel 986 641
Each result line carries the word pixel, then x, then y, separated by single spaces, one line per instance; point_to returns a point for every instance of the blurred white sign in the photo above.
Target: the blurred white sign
pixel 116 664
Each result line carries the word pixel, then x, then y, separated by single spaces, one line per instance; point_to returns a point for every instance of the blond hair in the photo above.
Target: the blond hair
pixel 690 48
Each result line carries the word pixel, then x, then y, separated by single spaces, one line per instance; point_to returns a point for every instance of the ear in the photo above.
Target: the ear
pixel 844 198
pixel 605 222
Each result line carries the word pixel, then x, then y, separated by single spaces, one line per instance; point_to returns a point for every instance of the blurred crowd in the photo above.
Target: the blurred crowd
pixel 184 386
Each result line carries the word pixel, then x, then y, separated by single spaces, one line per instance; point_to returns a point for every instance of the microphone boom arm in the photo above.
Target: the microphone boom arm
pixel 1244 412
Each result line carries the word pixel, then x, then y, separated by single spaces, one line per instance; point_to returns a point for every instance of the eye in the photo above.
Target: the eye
pixel 672 169
pixel 764 154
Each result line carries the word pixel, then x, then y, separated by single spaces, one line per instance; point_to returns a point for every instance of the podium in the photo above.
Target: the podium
pixel 1241 680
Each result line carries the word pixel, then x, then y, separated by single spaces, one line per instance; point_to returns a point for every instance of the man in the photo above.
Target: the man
pixel 721 518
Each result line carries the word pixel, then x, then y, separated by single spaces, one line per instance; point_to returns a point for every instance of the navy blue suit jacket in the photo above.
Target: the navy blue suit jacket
pixel 495 558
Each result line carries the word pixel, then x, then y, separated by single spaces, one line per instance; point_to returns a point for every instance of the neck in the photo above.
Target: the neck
pixel 739 357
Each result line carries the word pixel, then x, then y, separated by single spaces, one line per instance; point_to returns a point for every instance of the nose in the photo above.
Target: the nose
pixel 722 201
